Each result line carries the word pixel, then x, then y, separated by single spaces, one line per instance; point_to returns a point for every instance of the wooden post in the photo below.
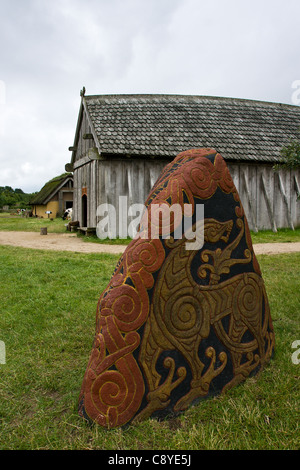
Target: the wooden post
pixel 43 230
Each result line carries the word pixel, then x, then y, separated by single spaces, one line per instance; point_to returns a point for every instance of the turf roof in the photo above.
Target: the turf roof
pixel 49 188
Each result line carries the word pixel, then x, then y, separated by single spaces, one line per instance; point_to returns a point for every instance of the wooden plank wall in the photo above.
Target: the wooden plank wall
pixel 106 180
pixel 84 145
pixel 269 198
pixel 131 178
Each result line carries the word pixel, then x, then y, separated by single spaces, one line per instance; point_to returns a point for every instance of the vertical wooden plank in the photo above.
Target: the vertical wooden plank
pixel 234 172
pixel 155 168
pixel 267 193
pixel 101 183
pixel 78 195
pixel 118 171
pixel 78 191
pixel 278 202
pixel 283 181
pixel 296 197
pixel 247 195
pixel 92 194
pixel 253 187
pixel 75 185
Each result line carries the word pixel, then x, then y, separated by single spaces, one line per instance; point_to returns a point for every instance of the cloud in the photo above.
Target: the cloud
pixel 52 49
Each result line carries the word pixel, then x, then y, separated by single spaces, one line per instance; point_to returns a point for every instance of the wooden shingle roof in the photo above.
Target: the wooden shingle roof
pixel 164 125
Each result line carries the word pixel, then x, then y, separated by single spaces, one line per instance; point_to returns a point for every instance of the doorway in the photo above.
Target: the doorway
pixel 84 210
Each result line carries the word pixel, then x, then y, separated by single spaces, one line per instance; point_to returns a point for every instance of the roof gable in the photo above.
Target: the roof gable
pixel 51 188
pixel 164 125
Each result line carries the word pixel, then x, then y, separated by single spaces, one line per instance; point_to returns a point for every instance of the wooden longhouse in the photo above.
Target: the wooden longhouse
pixel 122 143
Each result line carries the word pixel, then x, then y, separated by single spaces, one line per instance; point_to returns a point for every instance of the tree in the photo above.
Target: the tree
pixel 14 198
pixel 290 155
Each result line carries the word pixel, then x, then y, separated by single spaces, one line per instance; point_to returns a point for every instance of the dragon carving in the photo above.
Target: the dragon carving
pixel 175 325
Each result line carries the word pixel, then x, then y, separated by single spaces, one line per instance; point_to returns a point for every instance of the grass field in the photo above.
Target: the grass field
pixel 58 225
pixel 47 322
pixel 283 235
pixel 31 224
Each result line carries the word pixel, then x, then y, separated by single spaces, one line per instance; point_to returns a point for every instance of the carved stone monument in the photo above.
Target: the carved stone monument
pixel 179 320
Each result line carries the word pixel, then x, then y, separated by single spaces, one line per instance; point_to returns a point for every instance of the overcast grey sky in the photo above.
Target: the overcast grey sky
pixel 50 49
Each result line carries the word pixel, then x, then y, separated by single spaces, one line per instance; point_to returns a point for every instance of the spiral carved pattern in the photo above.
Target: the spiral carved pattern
pixel 112 397
pixel 247 297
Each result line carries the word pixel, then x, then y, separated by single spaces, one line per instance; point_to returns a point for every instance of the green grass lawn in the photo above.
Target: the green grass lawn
pixel 283 235
pixel 263 236
pixel 47 321
pixel 32 224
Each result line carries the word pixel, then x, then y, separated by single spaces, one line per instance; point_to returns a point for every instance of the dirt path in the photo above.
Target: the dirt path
pixel 70 242
pixel 57 242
